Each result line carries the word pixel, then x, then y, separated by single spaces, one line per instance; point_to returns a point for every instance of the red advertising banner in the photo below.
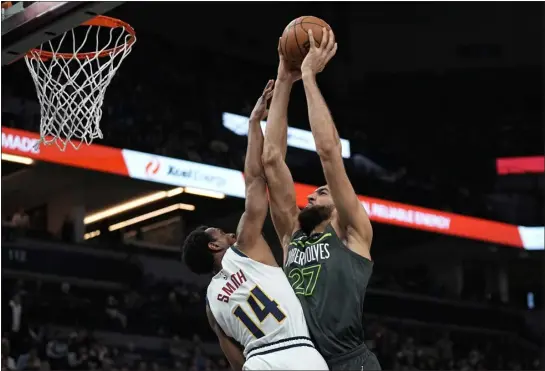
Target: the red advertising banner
pixel 520 165
pixel 182 173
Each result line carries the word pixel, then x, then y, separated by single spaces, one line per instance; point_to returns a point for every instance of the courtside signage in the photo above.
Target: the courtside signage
pixel 175 172
pixel 93 157
pixel 297 138
pixel 20 143
pixel 183 173
pixel 416 217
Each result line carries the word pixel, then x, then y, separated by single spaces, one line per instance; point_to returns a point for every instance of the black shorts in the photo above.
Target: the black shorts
pixel 361 359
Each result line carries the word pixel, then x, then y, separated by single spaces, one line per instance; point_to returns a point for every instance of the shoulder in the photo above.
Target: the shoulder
pixel 297 235
pixel 216 282
pixel 262 255
pixel 234 257
pixel 353 241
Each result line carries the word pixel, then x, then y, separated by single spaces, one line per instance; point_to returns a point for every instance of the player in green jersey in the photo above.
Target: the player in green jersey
pixel 327 244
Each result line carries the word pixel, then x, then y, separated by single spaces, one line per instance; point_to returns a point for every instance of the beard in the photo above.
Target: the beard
pixel 311 216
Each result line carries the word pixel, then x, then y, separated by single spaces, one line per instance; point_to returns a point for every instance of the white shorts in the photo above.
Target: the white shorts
pixel 299 356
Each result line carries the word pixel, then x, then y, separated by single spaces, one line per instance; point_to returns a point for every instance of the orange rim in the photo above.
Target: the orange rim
pixel 101 21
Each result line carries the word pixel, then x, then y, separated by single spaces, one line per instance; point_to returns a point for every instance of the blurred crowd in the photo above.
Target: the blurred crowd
pixel 415 279
pixel 59 326
pixel 50 326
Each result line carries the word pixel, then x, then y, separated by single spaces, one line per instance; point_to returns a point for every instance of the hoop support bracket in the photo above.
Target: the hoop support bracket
pixel 24 31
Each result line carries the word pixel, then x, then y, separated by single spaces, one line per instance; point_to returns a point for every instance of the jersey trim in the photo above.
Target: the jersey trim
pixel 238 252
pixel 277 346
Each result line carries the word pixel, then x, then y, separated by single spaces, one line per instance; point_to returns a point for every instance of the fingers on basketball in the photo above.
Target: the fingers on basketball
pixel 325 39
pixel 311 39
pixel 333 51
pixel 331 46
pixel 330 39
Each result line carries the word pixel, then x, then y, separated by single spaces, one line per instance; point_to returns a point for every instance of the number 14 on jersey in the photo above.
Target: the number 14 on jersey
pixel 262 306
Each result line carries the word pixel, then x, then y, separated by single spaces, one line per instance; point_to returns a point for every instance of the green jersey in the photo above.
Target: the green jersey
pixel 330 281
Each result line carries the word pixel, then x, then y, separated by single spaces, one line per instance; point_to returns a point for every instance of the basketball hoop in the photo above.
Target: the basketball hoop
pixel 71 85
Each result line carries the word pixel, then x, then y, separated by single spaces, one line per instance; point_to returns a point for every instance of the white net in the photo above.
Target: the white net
pixel 71 85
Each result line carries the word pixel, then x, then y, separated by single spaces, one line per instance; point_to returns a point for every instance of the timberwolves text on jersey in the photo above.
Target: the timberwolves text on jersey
pixel 303 264
pixel 308 253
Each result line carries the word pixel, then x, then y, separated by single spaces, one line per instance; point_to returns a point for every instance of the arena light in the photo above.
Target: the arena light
pixel 297 138
pixel 204 193
pixel 150 215
pixel 93 234
pixel 175 191
pixel 18 159
pixel 129 205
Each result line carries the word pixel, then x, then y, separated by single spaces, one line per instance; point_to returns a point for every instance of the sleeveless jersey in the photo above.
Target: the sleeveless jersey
pixel 254 304
pixel 330 280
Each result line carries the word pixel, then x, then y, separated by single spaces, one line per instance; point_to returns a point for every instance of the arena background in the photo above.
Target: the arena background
pixel 442 105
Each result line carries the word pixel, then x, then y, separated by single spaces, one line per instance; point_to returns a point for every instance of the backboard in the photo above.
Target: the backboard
pixel 36 22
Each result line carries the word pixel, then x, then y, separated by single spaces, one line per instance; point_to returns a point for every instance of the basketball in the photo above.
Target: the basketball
pixel 294 42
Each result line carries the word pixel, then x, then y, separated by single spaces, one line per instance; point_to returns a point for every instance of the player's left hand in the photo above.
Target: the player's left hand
pixel 319 56
pixel 259 113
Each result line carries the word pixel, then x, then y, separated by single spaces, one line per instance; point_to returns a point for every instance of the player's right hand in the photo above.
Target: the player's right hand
pixel 319 56
pixel 285 72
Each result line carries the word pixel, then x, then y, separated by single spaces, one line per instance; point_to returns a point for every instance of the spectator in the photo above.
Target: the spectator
pixel 29 361
pixel 57 352
pixel 177 349
pixel 113 312
pixel 8 363
pixel 142 366
pixel 20 221
pixel 444 347
pixel 78 359
pixel 16 323
pixel 199 362
pixel 131 357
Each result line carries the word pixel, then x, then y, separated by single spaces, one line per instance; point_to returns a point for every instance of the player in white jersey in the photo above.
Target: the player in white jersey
pixel 250 304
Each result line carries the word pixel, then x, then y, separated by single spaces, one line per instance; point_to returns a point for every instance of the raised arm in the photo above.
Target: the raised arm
pixel 251 223
pixel 352 217
pixel 284 210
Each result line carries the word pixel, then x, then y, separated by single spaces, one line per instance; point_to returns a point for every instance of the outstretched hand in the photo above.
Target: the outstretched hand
pixel 319 56
pixel 285 71
pixel 259 113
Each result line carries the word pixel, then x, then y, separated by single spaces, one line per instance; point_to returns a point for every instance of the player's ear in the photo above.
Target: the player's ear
pixel 213 246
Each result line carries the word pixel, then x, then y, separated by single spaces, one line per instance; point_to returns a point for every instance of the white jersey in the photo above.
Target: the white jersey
pixel 254 304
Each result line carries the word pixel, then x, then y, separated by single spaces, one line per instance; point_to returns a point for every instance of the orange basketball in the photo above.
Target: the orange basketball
pixel 294 42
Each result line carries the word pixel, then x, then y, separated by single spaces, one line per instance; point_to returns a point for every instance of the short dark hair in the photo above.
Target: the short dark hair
pixel 195 251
